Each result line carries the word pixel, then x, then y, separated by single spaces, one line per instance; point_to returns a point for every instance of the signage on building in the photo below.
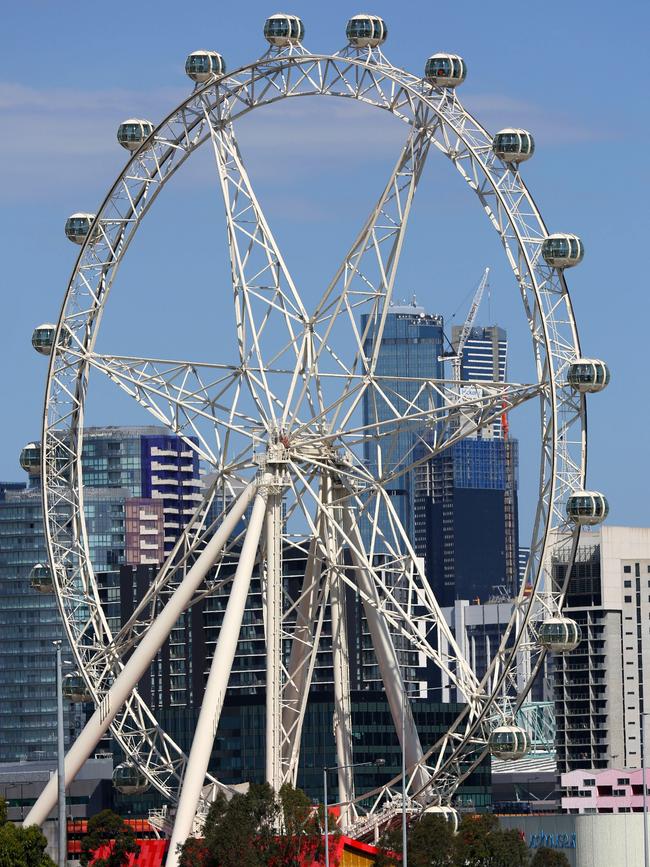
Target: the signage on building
pixel 552 841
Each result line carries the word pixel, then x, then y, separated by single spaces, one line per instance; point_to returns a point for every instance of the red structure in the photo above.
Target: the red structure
pixel 344 852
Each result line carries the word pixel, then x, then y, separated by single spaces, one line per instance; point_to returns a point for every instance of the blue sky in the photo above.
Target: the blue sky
pixel 575 74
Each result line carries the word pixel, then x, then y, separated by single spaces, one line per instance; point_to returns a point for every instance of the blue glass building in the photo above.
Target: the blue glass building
pixel 411 345
pixel 465 498
pixel 120 466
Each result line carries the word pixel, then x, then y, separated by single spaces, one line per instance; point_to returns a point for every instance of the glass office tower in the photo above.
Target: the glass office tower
pixel 141 486
pixel 411 346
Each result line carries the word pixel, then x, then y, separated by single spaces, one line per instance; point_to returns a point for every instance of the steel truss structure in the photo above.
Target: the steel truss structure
pixel 281 427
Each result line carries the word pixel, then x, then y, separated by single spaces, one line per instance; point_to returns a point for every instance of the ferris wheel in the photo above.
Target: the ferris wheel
pixel 279 421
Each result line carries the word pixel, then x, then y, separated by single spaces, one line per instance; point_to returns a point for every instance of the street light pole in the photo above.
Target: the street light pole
pixel 327 838
pixel 377 762
pixel 63 855
pixel 646 859
pixel 405 856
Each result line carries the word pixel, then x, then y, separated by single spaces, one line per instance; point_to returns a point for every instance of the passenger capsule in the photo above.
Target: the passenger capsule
pixel 587 508
pixel 132 132
pixel 75 689
pixel 282 30
pixel 562 251
pixel 30 459
pixel 588 375
pixel 203 65
pixel 509 742
pixel 445 70
pixel 366 31
pixel 77 227
pixel 43 337
pixel 129 780
pixel 513 145
pixel 40 578
pixel 559 634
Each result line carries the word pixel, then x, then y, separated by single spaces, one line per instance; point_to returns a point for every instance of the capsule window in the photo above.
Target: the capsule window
pixel 573 244
pixel 277 27
pixel 295 28
pixel 361 28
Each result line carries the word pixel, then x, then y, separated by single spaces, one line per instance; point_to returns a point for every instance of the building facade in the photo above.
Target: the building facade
pixel 411 346
pixel 140 487
pixel 600 688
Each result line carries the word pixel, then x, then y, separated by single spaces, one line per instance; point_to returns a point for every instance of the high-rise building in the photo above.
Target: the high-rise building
pixel 466 526
pixel 411 345
pixel 484 358
pixel 140 487
pixel 601 688
pixel 465 498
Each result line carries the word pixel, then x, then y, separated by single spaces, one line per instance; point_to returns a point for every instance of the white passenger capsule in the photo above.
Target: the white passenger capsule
pixel 40 578
pixel 75 689
pixel 509 742
pixel 562 251
pixel 201 66
pixel 588 375
pixel 30 459
pixel 43 337
pixel 445 70
pixel 132 132
pixel 513 145
pixel 282 30
pixel 129 780
pixel 587 508
pixel 366 31
pixel 559 634
pixel 77 227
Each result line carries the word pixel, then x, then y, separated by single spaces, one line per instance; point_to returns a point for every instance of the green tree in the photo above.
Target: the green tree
pixel 23 847
pixel 431 843
pixel 483 843
pixel 108 829
pixel 545 857
pixel 256 829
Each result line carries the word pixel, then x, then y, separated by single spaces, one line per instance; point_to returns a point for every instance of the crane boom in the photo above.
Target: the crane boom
pixel 468 324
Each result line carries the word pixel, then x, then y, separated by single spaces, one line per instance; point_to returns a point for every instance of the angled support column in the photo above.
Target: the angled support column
pixel 340 653
pixel 215 689
pixel 387 660
pixel 273 624
pixel 299 670
pixel 139 662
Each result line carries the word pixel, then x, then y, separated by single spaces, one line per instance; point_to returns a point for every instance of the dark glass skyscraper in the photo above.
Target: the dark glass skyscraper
pixel 465 498
pixel 411 346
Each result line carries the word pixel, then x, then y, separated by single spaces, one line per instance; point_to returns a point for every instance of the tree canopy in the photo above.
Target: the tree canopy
pixel 256 829
pixel 21 847
pixel 479 842
pixel 545 857
pixel 108 829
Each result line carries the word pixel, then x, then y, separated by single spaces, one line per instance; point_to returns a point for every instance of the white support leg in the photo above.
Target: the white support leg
pixel 386 654
pixel 305 635
pixel 215 689
pixel 340 660
pixel 273 623
pixel 139 662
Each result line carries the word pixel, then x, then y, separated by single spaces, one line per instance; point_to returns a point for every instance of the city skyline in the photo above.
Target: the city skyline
pixel 571 145
pixel 325 529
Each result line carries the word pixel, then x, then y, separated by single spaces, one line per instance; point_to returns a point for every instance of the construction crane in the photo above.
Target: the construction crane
pixel 457 355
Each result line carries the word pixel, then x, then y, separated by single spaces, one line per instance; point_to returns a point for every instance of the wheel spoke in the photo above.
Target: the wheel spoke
pixel 362 287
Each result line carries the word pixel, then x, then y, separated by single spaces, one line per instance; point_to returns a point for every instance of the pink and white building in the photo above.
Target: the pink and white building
pixel 610 791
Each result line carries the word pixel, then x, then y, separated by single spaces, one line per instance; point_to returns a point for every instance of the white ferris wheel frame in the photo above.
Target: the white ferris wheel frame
pixel 178 393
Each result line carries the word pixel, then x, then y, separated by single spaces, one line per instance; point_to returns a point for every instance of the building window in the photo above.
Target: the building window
pixel 623 781
pixel 627 569
pixel 589 782
pixel 627 583
pixel 628 599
